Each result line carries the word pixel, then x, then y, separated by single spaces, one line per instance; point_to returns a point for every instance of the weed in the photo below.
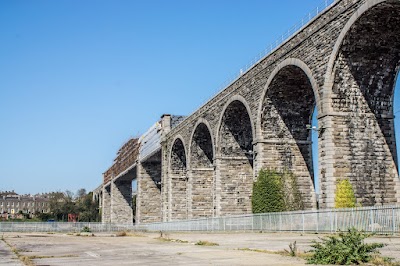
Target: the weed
pixel 292 249
pixel 86 229
pixel 344 249
pixel 383 261
pixel 171 240
pixel 121 233
pixel 206 243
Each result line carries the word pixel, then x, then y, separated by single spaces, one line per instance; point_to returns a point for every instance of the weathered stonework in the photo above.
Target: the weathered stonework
pixel 148 202
pixel 343 64
pixel 106 207
pixel 121 201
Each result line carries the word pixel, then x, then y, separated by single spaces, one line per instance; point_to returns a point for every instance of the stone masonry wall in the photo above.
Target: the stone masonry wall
pixel 149 192
pixel 357 66
pixel 121 202
pixel 106 207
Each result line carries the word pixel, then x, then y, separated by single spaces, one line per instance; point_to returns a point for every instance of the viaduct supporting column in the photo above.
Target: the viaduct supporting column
pixel 106 206
pixel 148 203
pixel 121 201
pixel 234 177
pixel 364 73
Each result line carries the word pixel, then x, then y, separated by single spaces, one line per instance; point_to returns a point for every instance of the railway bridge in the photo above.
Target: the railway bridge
pixel 343 64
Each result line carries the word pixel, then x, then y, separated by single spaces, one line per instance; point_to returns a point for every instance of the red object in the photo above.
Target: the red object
pixel 72 217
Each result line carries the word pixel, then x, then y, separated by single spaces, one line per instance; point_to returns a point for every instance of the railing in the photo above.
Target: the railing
pixel 62 227
pixel 381 220
pixel 286 36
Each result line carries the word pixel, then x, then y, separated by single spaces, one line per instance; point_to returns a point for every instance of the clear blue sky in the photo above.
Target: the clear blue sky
pixel 79 78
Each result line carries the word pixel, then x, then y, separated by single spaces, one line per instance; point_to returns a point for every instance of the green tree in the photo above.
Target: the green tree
pixel 62 204
pixel 88 209
pixel 344 197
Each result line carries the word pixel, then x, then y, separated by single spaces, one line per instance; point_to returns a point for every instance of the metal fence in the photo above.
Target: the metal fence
pixel 62 227
pixel 379 219
pixel 383 220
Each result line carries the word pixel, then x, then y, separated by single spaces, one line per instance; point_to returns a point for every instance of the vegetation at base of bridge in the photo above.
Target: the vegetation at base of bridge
pixel 347 248
pixel 344 197
pixel 276 191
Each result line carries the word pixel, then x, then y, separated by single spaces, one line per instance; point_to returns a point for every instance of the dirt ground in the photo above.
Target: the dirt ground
pixel 149 249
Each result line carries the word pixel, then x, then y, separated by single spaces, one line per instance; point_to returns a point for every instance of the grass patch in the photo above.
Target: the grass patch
pixel 206 243
pixel 383 261
pixel 164 239
pixel 128 233
pixel 121 233
pixel 285 252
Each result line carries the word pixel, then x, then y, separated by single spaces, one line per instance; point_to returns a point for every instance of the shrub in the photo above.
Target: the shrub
pixel 206 243
pixel 86 229
pixel 276 192
pixel 344 249
pixel 344 197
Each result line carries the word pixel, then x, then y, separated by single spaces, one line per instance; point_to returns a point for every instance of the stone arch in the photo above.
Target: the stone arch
pixel 284 140
pixel 359 86
pixel 234 177
pixel 178 178
pixel 201 158
pixel 288 62
pixel 202 136
pixel 241 101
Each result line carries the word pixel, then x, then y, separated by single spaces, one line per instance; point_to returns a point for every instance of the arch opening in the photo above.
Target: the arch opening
pixel 235 160
pixel 178 182
pixel 365 72
pixel 202 172
pixel 286 118
pixel 201 148
pixel 396 114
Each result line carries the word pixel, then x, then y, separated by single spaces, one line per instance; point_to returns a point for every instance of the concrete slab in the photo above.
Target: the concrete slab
pixel 7 256
pixel 147 249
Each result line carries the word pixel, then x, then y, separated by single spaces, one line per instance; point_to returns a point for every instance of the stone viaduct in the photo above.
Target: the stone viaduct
pixel 344 63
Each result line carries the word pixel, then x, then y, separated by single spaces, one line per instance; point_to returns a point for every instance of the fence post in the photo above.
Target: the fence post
pixel 371 220
pixel 302 218
pixel 393 222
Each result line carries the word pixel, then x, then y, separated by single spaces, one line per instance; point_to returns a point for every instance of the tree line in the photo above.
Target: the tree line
pixel 64 203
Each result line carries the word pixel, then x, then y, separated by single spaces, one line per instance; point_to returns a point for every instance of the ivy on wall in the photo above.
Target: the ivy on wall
pixel 276 192
pixel 344 197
